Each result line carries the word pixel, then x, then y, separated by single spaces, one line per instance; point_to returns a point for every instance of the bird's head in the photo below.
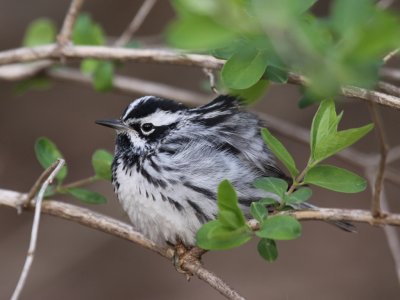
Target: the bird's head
pixel 145 122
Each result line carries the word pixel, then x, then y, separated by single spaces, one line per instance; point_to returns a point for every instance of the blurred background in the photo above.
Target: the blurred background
pixel 74 262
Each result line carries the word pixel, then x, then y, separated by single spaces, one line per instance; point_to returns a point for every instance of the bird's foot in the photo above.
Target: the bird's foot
pixel 184 255
pixel 179 259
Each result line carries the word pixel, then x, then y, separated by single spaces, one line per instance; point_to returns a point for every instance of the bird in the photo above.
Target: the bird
pixel 169 160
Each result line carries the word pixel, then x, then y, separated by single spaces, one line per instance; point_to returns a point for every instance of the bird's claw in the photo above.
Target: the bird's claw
pixel 181 255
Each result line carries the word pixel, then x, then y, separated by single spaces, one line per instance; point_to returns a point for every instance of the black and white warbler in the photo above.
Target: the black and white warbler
pixel 169 160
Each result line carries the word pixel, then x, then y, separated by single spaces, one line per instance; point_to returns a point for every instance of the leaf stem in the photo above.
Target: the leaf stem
pixel 77 183
pixel 298 180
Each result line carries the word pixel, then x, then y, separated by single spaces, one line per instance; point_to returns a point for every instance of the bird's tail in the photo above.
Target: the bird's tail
pixel 346 226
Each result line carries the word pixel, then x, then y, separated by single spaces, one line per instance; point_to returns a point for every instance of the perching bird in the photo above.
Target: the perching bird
pixel 169 160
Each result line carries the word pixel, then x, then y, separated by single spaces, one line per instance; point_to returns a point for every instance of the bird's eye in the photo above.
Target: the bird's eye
pixel 147 128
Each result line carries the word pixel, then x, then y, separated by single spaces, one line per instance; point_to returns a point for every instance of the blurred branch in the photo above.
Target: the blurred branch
pixel 385 3
pixel 21 71
pixel 394 154
pixel 383 148
pixel 129 85
pixel 44 180
pixel 137 21
pixel 119 229
pixel 390 73
pixel 64 38
pixel 167 57
pixel 392 237
pixel 389 88
pixel 390 55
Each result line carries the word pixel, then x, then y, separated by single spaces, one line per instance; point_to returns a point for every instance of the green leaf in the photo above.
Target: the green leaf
pixel 280 152
pixel 350 14
pixel 280 228
pixel 40 32
pixel 336 179
pixel 230 49
pixel 198 33
pixel 267 249
pixel 229 212
pixel 101 162
pixel 103 76
pixel 50 191
pixel 37 83
pixel 253 93
pixel 334 143
pixel 89 65
pixel 268 201
pixel 304 5
pixel 87 196
pixel 276 74
pixel 215 236
pixel 273 185
pixel 324 117
pixel 258 211
pixel 47 153
pixel 244 68
pixel 87 32
pixel 307 101
pixel 299 196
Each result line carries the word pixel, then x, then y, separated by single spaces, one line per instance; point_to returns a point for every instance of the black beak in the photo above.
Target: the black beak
pixel 115 124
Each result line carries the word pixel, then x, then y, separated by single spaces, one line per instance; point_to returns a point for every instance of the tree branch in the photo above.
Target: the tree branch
pixel 167 57
pixel 337 214
pixel 389 88
pixel 104 52
pixel 137 21
pixel 64 38
pixel 122 230
pixel 117 228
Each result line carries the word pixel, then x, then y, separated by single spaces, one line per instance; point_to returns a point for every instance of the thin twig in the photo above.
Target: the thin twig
pixel 213 281
pixel 117 228
pixel 78 183
pixel 393 155
pixel 137 21
pixel 372 96
pixel 64 38
pixel 51 173
pixel 390 73
pixel 392 237
pixel 21 71
pixel 39 182
pixel 388 88
pixel 209 73
pixel 390 55
pixel 383 148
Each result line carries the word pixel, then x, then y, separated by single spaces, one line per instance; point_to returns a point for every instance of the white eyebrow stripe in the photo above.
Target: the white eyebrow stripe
pixel 134 104
pixel 161 118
